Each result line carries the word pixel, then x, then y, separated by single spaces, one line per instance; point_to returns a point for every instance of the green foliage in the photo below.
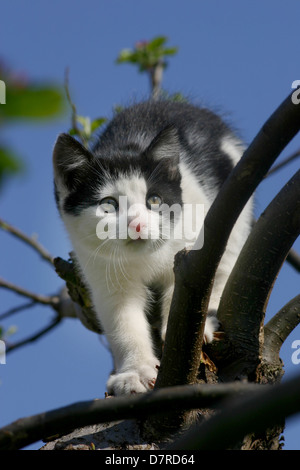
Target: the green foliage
pixel 10 163
pixel 25 101
pixel 32 102
pixel 82 126
pixel 87 128
pixel 147 54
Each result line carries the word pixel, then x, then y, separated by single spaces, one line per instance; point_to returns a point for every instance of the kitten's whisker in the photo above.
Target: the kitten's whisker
pixel 123 269
pixel 116 253
pixel 152 176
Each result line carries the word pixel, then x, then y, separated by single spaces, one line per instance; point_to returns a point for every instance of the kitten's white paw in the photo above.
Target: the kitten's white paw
pixel 211 325
pixel 138 380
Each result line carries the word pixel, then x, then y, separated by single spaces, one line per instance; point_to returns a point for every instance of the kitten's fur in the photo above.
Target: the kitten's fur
pixel 176 151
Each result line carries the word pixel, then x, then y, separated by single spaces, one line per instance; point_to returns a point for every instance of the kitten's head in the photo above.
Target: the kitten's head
pixel 131 200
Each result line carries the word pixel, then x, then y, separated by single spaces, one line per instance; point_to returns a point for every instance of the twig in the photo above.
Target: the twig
pixel 53 301
pixel 14 310
pixel 293 258
pixel 283 163
pixel 74 115
pixel 34 337
pixel 31 241
pixel 156 76
pixel 63 420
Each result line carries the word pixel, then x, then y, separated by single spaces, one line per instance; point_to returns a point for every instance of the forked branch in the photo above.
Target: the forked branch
pixel 195 270
pixel 246 294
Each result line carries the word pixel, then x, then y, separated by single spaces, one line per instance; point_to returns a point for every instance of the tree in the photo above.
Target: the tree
pixel 239 375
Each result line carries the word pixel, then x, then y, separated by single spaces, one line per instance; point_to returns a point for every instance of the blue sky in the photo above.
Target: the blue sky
pixel 237 57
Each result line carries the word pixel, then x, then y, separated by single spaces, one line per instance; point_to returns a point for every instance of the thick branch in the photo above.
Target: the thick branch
pixel 253 413
pixel 247 291
pixel 279 327
pixel 63 420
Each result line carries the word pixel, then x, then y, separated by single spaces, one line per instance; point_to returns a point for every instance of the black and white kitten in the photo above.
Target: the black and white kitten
pixel 124 205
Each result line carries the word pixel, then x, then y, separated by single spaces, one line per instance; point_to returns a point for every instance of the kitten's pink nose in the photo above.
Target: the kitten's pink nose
pixel 136 227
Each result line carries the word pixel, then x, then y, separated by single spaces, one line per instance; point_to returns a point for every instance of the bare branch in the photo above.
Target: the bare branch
pixel 62 420
pixel 41 299
pixel 17 309
pixel 156 76
pixel 293 259
pixel 31 241
pixel 35 336
pixel 285 162
pixel 279 327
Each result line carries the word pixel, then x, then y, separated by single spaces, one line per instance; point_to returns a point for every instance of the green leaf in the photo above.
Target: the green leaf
pixel 86 124
pixel 156 43
pixel 171 51
pixel 124 56
pixel 10 163
pixel 32 102
pixel 96 123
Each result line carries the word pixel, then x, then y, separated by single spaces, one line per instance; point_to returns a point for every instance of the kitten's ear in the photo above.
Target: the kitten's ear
pixel 70 161
pixel 166 145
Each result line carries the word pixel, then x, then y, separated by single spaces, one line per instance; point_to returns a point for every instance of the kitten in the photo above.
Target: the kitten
pixel 122 204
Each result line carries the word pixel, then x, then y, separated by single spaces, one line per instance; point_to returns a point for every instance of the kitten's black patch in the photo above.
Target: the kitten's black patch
pixel 146 139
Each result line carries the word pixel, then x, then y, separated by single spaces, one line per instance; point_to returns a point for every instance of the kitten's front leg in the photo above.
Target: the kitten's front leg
pixel 128 333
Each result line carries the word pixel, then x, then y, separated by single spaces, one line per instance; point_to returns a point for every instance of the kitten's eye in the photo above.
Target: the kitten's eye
pixel 154 201
pixel 109 204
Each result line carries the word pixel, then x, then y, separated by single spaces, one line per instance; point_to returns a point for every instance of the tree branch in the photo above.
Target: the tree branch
pixel 246 294
pixel 294 259
pixel 286 161
pixel 156 76
pixel 195 270
pixel 53 301
pixel 35 336
pixel 63 420
pixel 253 413
pixel 31 241
pixel 278 329
pixel 17 309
